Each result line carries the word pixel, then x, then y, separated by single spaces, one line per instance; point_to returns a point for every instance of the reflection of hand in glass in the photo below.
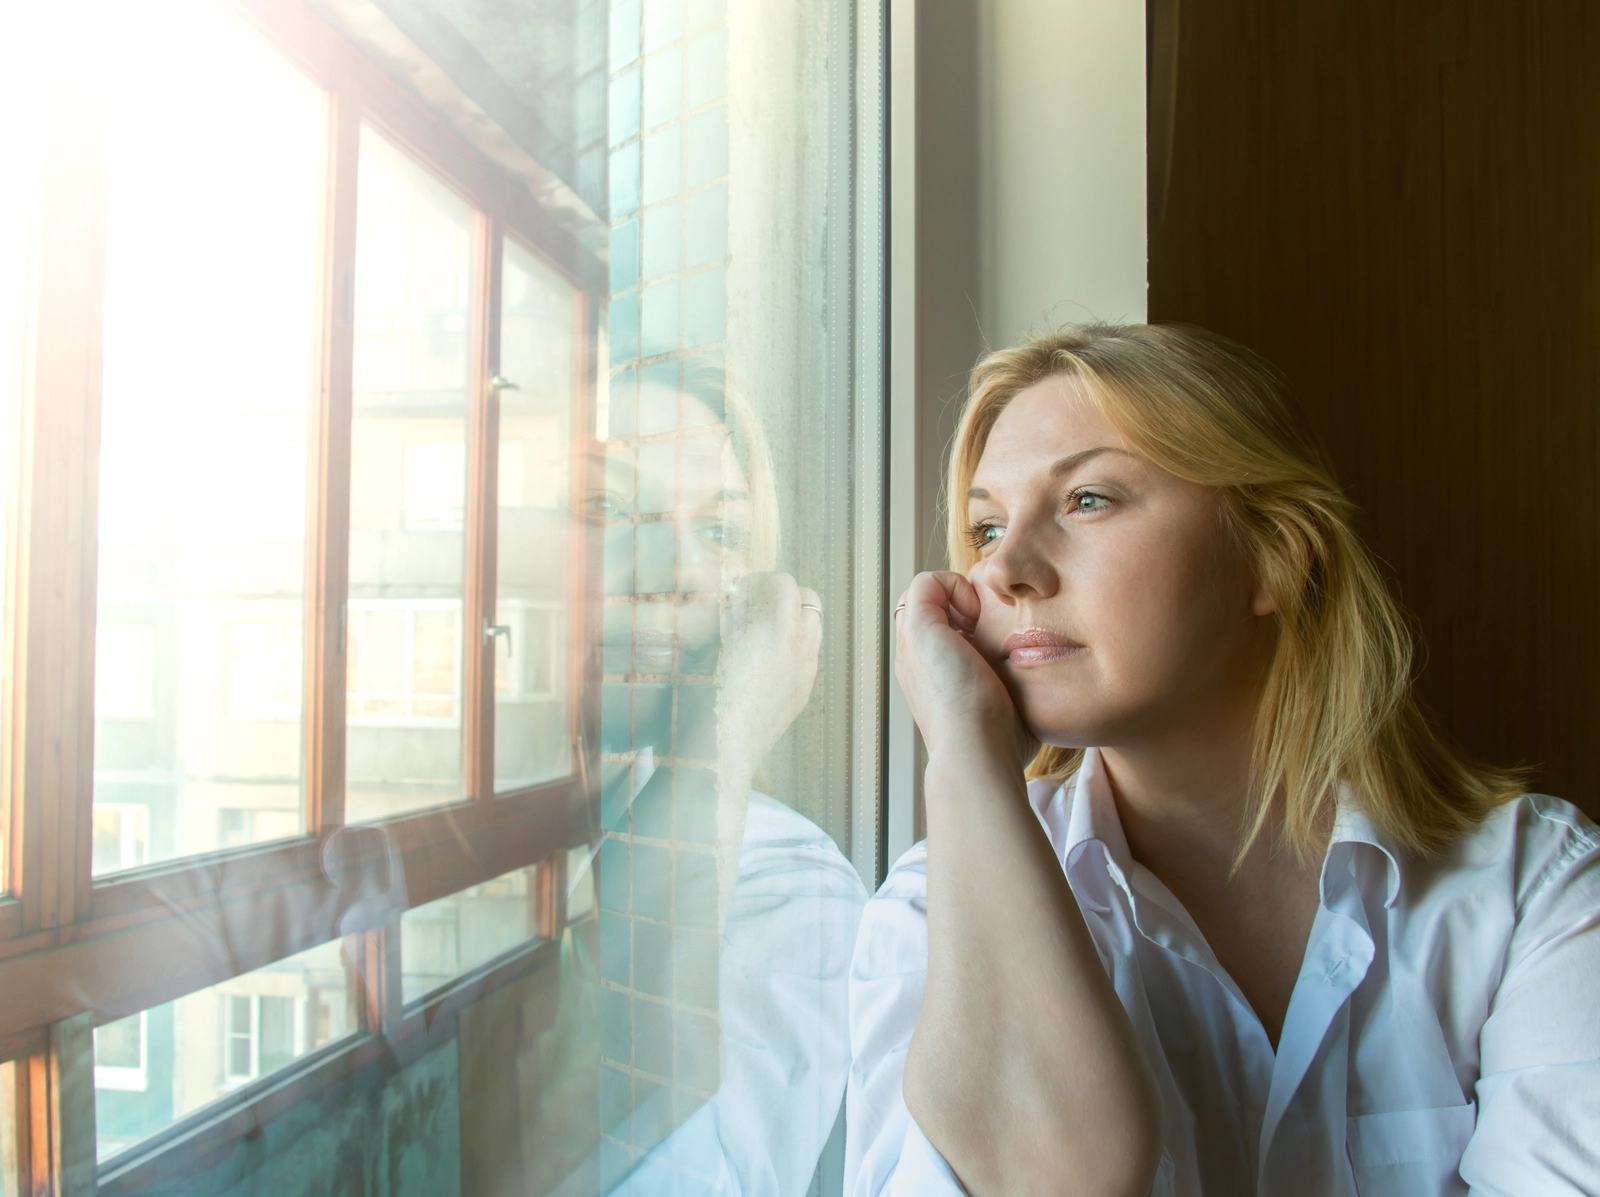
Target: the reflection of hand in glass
pixel 767 669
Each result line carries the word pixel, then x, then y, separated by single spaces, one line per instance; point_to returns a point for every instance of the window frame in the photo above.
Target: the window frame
pixel 75 950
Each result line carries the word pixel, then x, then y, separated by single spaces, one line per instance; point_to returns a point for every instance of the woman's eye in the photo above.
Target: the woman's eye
pixel 1088 501
pixel 984 535
pixel 725 535
pixel 607 504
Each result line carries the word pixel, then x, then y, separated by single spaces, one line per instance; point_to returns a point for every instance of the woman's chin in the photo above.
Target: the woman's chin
pixel 1052 731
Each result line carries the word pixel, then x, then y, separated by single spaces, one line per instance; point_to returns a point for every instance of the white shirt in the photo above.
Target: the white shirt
pixel 782 997
pixel 1443 1035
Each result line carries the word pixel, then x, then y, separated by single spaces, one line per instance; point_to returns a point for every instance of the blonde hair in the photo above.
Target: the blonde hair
pixel 1338 705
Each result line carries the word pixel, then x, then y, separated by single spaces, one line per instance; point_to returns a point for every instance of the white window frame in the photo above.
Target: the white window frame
pixel 357 610
pixel 253 1034
pixel 128 1080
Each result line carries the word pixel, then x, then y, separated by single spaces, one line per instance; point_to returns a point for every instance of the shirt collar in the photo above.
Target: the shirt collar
pixel 1083 811
pixel 1352 827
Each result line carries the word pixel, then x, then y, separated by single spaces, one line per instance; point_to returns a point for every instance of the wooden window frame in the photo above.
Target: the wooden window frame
pixel 75 951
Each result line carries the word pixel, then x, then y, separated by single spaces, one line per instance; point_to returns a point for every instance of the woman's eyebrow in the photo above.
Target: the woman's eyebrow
pixel 1067 464
pixel 1063 467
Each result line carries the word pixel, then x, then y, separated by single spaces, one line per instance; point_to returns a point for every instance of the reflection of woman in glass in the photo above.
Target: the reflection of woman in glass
pixel 1251 928
pixel 784 898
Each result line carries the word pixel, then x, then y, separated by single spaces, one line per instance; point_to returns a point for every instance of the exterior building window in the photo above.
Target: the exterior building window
pixel 239 826
pixel 121 1058
pixel 121 836
pixel 405 662
pixel 261 1034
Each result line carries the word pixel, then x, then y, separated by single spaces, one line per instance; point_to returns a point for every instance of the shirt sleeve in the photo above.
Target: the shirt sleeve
pixel 1538 1128
pixel 886 1153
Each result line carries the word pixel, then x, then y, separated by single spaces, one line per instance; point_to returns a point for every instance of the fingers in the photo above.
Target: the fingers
pixel 776 601
pixel 943 596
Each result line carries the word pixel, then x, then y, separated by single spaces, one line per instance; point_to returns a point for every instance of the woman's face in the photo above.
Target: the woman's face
pixel 1116 607
pixel 693 485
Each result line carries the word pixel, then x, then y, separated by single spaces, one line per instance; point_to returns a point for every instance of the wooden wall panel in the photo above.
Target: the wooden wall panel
pixel 1397 201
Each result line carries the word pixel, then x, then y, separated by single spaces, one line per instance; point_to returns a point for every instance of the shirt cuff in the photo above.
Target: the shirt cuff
pixel 922 1170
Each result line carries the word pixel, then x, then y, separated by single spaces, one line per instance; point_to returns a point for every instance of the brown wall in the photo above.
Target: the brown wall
pixel 1397 201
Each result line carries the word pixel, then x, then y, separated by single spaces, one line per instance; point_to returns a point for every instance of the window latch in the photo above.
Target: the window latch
pixel 501 383
pixel 491 630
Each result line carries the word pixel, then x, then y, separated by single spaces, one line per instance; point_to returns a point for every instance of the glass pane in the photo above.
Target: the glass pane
pixel 160 1065
pixel 442 940
pixel 408 488
pixel 211 285
pixel 534 659
pixel 741 551
pixel 19 150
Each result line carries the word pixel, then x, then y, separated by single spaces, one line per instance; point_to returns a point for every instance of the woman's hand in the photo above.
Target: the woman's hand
pixel 954 693
pixel 771 634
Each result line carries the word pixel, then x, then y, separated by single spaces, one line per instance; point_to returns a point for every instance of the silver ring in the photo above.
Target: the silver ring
pixel 897 611
pixel 811 607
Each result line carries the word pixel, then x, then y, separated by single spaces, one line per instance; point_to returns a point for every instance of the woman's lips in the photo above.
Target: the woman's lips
pixel 1036 646
pixel 653 650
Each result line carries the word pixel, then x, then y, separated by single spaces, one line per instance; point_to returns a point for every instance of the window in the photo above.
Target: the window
pixel 121 836
pixel 238 826
pixel 529 658
pixel 208 339
pixel 405 662
pixel 261 1033
pixel 444 939
pixel 161 1065
pixel 298 310
pixel 119 1054
pixel 403 753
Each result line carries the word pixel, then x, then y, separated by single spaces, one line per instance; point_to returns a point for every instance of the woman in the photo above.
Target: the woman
pixel 1251 927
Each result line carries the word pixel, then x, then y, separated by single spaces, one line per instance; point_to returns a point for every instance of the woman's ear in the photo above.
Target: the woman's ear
pixel 1261 601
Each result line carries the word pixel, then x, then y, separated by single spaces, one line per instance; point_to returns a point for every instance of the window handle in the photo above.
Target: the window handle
pixel 501 383
pixel 491 630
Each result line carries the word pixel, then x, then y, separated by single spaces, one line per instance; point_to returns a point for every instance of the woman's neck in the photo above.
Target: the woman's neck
pixel 1185 814
pixel 1184 795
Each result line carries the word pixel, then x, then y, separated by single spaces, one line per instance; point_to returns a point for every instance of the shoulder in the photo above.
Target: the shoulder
pixel 783 849
pixel 1528 874
pixel 893 938
pixel 1531 851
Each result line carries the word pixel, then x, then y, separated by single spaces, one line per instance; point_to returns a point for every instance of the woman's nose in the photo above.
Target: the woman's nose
pixel 1020 566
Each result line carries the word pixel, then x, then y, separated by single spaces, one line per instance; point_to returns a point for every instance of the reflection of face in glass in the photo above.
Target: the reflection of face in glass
pixel 699 499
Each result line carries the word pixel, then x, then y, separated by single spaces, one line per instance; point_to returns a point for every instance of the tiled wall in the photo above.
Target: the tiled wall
pixel 669 245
